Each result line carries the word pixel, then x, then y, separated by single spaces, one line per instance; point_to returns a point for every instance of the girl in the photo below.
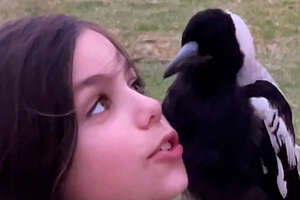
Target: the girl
pixel 74 123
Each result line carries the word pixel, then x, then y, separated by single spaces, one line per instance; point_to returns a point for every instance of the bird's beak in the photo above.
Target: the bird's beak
pixel 189 49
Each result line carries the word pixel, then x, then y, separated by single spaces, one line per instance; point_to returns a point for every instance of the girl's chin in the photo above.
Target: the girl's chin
pixel 178 184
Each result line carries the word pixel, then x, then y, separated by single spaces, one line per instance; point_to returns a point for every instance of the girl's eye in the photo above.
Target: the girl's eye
pixel 137 85
pixel 99 107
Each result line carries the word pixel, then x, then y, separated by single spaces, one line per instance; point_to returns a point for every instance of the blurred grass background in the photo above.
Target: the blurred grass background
pixel 151 32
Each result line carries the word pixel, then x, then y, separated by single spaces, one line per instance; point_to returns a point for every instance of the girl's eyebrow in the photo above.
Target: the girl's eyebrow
pixel 98 78
pixel 94 79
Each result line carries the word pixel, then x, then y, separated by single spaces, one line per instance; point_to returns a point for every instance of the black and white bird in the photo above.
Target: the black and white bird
pixel 232 119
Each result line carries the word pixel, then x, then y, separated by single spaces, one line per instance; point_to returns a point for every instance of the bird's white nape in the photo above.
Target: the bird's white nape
pixel 251 70
pixel 243 36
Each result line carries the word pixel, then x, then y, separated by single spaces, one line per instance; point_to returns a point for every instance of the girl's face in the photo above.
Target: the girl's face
pixel 126 149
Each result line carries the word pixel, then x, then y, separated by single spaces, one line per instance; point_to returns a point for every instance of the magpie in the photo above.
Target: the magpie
pixel 232 118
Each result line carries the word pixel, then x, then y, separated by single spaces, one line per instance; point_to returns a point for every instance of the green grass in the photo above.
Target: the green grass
pixel 151 30
pixel 152 72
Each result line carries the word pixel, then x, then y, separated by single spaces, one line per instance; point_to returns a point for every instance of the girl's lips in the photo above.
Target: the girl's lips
pixel 173 154
pixel 175 151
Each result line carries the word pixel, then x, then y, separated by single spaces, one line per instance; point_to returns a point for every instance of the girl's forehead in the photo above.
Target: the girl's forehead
pixel 95 54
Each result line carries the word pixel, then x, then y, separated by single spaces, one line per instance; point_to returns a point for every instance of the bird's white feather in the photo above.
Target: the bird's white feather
pixel 282 186
pixel 298 152
pixel 279 134
pixel 264 168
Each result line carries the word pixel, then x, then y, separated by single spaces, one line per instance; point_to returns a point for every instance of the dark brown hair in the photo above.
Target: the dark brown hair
pixel 37 120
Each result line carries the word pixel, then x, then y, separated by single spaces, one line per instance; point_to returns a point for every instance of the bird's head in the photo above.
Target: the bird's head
pixel 223 37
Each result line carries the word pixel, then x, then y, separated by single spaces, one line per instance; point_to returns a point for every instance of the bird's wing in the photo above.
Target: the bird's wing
pixel 272 108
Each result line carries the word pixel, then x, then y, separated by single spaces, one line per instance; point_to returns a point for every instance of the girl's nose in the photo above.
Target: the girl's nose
pixel 147 112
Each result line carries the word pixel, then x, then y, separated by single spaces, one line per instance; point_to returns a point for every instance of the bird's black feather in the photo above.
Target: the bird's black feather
pixel 219 133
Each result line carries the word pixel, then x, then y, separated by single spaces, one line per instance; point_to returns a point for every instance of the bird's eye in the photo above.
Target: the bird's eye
pixel 100 106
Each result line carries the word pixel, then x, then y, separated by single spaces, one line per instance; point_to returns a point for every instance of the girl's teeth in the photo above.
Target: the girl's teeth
pixel 165 146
